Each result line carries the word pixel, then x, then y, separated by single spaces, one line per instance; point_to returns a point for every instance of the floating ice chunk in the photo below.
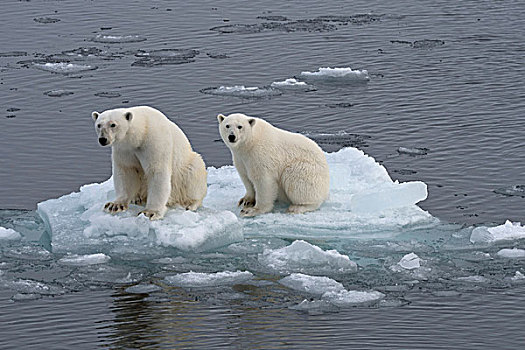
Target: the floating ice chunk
pixel 58 93
pixel 8 234
pixel 506 232
pixel 26 296
pixel 84 260
pixel 410 262
pixel 345 298
pixel 518 277
pixel 77 219
pixel 118 39
pixel 413 151
pixel 515 190
pixel 337 75
pixel 242 91
pixel 64 67
pixel 351 172
pixel 292 84
pixel 143 289
pixel 316 285
pixel 473 279
pixel 301 256
pixel 389 197
pixel 200 279
pixel 31 287
pixel 514 253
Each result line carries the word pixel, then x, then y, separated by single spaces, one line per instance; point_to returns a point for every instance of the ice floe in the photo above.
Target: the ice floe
pixel 513 253
pixel 507 232
pixel 316 285
pixel 292 84
pixel 8 234
pixel 242 91
pixel 64 67
pixel 301 256
pixel 117 39
pixel 359 205
pixel 84 260
pixel 201 279
pixel 410 262
pixel 336 75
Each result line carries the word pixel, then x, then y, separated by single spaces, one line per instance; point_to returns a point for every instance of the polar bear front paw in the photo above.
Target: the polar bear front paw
pixel 246 202
pixel 248 212
pixel 151 214
pixel 115 207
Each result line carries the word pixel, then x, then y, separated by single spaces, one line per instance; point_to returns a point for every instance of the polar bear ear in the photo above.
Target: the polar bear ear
pixel 251 122
pixel 220 118
pixel 128 116
pixel 94 115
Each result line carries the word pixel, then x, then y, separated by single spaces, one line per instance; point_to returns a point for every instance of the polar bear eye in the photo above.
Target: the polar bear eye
pixel 227 126
pixel 99 126
pixel 113 125
pixel 239 127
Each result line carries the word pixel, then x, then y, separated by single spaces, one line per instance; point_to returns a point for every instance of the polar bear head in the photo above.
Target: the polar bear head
pixel 112 125
pixel 236 129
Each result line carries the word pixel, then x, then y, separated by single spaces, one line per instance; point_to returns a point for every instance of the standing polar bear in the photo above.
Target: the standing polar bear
pixel 275 164
pixel 153 162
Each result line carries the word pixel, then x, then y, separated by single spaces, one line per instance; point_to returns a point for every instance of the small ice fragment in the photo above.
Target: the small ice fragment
pixel 472 279
pixel 506 232
pixel 201 279
pixel 8 234
pixel 118 39
pixel 345 297
pixel 83 260
pixel 518 277
pixel 58 93
pixel 340 75
pixel 396 195
pixel 142 289
pixel 288 82
pixel 514 253
pixel 64 67
pixel 413 151
pixel 301 256
pixel 410 262
pixel 316 285
pixel 26 296
pixel 242 91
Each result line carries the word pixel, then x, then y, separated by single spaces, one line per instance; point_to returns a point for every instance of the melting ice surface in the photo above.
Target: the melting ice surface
pixel 369 244
pixel 341 75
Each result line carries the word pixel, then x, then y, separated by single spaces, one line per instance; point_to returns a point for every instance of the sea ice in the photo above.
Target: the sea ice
pixel 337 75
pixel 514 253
pixel 345 298
pixel 410 262
pixel 301 256
pixel 201 279
pixel 84 260
pixel 64 67
pixel 143 289
pixel 292 84
pixel 76 222
pixel 118 39
pixel 506 232
pixel 8 234
pixel 317 285
pixel 242 91
pixel 518 277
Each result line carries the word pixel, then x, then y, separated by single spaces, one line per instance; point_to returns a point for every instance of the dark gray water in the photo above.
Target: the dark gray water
pixel 444 105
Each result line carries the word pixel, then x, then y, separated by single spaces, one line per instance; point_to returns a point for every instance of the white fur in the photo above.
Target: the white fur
pixel 275 164
pixel 153 162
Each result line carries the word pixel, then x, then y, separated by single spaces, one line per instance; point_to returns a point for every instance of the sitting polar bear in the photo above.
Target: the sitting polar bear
pixel 275 165
pixel 153 162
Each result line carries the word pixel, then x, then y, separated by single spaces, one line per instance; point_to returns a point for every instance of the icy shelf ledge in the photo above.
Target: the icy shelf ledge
pixel 363 201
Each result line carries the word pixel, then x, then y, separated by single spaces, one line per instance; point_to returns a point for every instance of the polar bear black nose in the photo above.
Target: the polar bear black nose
pixel 103 141
pixel 231 138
